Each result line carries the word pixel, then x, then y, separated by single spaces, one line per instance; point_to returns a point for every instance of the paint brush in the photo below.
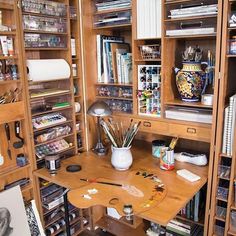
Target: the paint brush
pixel 101 182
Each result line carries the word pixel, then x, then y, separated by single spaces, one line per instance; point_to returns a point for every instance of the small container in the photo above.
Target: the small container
pixel 221 212
pixel 157 145
pixel 224 171
pixel 232 45
pixel 233 221
pixel 222 193
pixel 52 163
pixel 74 70
pixel 167 160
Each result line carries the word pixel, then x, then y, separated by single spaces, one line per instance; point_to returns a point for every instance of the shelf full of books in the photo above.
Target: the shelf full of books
pixel 114 69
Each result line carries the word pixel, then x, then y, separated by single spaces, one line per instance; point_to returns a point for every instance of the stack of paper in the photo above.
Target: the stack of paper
pixel 109 5
pixel 205 10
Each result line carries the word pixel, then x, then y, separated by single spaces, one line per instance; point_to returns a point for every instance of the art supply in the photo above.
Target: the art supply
pixel 3 40
pixel 51 148
pixel 52 163
pixel 167 160
pixel 207 99
pixel 8 135
pixel 156 147
pixel 119 137
pixel 10 46
pixel 132 190
pixel 21 160
pixel 173 143
pixel 18 144
pixel 188 175
pixel 128 210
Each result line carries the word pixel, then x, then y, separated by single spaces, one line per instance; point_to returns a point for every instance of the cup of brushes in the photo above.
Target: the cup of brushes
pixel 121 139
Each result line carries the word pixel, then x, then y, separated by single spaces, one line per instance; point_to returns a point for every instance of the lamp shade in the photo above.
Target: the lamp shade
pixel 99 108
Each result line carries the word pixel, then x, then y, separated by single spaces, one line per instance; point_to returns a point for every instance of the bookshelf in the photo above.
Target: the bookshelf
pixel 13 106
pixel 223 157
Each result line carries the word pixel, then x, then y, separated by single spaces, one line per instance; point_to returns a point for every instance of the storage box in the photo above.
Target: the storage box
pixel 233 221
pixel 224 171
pixel 221 212
pixel 222 193
pixel 219 230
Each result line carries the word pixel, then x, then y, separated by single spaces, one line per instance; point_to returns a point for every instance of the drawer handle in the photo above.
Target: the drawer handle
pixel 191 130
pixel 147 124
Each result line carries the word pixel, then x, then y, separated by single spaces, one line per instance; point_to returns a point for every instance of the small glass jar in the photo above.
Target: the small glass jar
pixel 157 145
pixel 74 70
pixel 232 45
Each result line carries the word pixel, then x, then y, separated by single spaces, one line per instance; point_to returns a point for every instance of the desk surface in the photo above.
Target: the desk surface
pixel 179 191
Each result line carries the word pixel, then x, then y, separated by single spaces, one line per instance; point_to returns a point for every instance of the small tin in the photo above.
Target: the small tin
pixel 52 163
pixel 157 145
pixel 167 160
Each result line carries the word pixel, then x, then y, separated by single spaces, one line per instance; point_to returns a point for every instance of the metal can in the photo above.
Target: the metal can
pixel 167 160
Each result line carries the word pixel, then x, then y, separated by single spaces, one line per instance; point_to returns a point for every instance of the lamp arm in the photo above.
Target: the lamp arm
pixel 99 129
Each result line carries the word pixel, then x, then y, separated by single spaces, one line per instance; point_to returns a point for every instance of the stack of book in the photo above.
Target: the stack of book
pixel 229 126
pixel 110 5
pixel 178 227
pixel 192 209
pixel 114 60
pixel 201 10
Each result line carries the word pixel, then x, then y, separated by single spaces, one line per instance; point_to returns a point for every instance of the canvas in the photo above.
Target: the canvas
pixel 13 219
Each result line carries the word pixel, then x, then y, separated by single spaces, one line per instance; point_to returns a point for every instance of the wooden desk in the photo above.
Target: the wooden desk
pixel 179 191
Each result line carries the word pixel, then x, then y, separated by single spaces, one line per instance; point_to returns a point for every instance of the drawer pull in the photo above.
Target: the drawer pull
pixel 147 124
pixel 191 130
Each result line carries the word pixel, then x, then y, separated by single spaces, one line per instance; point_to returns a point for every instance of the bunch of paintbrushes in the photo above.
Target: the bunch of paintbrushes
pixel 117 134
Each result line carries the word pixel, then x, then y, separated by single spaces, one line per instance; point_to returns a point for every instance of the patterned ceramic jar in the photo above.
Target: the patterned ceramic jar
pixel 190 81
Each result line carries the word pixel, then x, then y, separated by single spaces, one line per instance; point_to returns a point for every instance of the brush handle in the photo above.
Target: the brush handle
pixel 7 130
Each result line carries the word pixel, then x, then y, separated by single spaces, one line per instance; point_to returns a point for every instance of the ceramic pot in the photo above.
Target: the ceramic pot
pixel 121 158
pixel 190 81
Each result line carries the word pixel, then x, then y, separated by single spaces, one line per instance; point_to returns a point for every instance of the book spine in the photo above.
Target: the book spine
pixel 196 207
pixel 118 58
pixel 229 127
pixel 99 65
pixel 225 133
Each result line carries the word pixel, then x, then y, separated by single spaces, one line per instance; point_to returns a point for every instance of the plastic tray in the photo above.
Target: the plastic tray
pixel 222 193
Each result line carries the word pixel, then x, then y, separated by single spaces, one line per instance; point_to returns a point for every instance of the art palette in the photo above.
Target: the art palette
pixel 116 194
pixel 48 120
pixel 51 148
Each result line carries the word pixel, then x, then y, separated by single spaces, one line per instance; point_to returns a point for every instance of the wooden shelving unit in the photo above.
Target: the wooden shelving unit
pixel 227 88
pixel 14 111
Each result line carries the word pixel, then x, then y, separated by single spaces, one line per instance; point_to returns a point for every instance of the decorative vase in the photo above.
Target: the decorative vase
pixel 190 81
pixel 121 158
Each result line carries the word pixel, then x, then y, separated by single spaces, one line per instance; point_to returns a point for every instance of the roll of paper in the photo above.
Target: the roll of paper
pixel 49 69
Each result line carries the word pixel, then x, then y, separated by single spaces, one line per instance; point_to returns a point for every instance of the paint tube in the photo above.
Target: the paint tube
pixel 4 45
pixel 10 46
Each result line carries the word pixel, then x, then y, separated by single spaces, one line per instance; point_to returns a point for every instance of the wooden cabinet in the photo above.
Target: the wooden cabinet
pixel 13 106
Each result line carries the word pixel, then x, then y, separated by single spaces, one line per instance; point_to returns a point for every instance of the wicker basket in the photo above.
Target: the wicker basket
pixel 150 51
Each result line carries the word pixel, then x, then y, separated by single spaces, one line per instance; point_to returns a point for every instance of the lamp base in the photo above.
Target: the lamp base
pixel 100 150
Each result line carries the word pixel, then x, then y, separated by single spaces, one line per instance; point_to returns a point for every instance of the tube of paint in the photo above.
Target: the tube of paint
pixel 4 45
pixel 10 46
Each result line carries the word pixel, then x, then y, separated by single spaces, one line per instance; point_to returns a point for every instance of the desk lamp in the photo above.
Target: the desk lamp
pixel 99 109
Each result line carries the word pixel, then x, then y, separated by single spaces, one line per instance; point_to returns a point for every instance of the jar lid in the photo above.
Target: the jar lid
pixel 158 142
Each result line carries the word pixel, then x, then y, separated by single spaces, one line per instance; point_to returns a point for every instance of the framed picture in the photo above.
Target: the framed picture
pixel 13 218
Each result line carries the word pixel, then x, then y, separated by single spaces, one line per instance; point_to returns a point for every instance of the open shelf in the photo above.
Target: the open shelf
pixel 50 111
pixel 114 98
pixel 113 26
pixel 201 222
pixel 178 102
pixel 43 15
pixel 44 32
pixel 9 82
pixel 14 169
pixel 190 18
pixel 53 140
pixel 8 33
pixel 6 6
pixel 46 49
pixel 112 10
pixel 53 125
pixel 113 84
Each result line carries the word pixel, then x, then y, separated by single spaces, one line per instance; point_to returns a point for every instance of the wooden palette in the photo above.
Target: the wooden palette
pixel 116 197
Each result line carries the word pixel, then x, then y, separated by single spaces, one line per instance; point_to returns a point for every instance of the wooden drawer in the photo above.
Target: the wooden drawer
pixel 190 132
pixel 155 127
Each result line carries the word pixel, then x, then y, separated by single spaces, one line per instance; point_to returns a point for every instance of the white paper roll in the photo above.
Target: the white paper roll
pixel 50 69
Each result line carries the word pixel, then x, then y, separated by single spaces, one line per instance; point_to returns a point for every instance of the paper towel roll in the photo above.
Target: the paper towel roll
pixel 50 69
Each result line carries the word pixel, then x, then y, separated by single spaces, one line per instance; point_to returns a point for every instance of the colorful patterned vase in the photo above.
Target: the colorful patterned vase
pixel 190 81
